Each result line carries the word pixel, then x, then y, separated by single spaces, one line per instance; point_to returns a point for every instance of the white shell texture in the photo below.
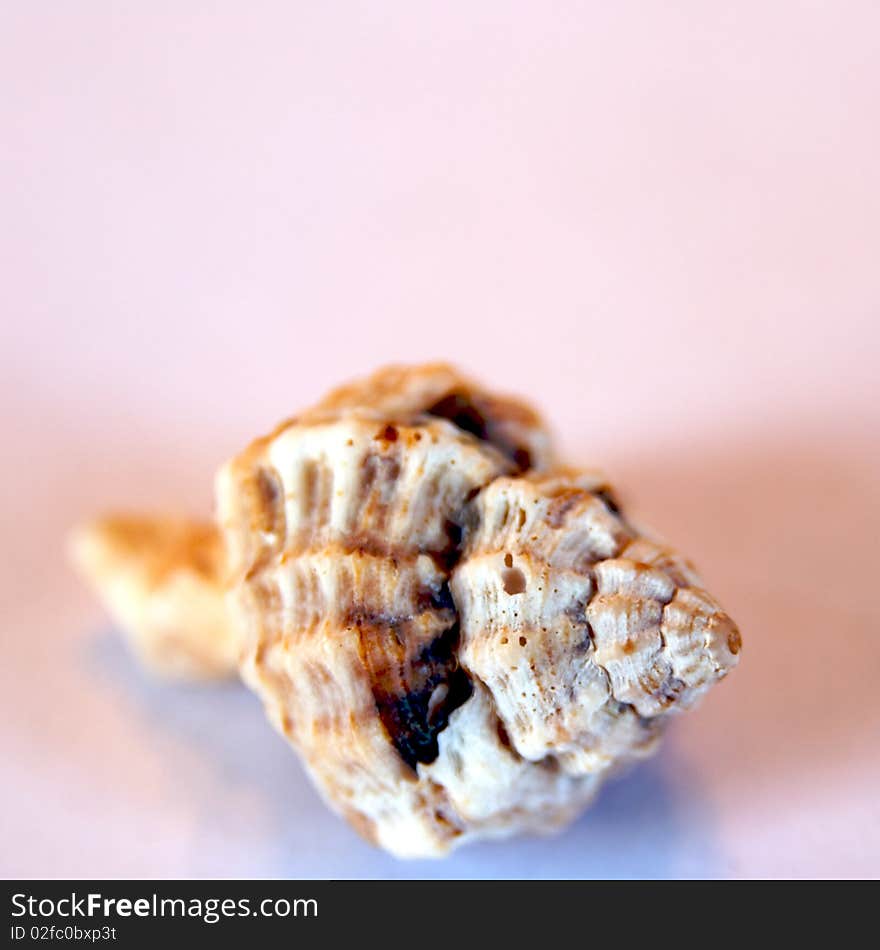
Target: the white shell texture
pixel 584 641
pixel 459 638
pixel 456 650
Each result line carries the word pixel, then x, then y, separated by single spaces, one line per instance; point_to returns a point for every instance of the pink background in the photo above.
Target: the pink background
pixel 659 220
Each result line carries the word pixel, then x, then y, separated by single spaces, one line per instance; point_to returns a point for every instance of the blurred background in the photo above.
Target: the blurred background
pixel 658 220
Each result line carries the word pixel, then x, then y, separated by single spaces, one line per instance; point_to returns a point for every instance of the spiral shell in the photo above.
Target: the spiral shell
pixel 460 638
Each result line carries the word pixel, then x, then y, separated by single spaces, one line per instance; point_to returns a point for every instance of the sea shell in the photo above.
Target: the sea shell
pixel 163 581
pixel 460 638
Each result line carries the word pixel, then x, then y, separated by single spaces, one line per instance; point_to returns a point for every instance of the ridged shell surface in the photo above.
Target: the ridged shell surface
pixel 460 638
pixel 586 634
pixel 341 536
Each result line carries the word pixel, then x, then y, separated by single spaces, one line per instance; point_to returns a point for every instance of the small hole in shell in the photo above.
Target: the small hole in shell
pixel 514 580
pixel 508 560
